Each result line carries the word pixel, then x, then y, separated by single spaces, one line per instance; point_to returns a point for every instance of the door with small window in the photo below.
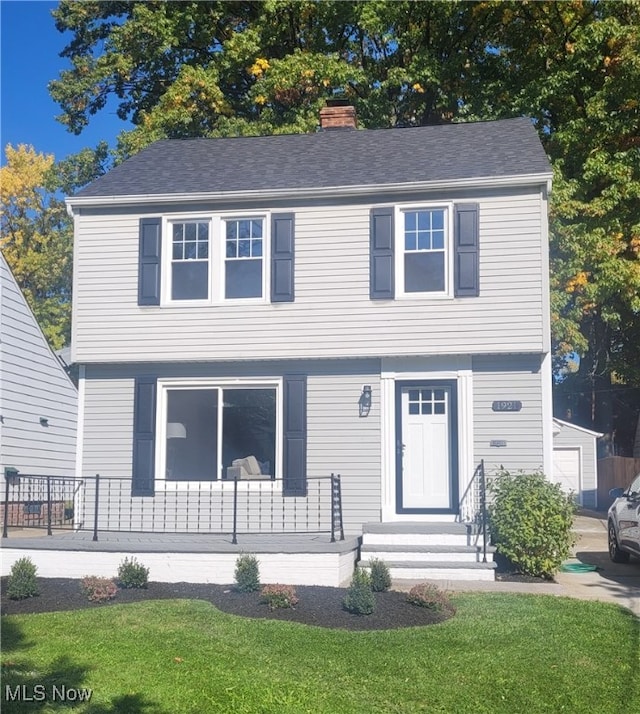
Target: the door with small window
pixel 426 440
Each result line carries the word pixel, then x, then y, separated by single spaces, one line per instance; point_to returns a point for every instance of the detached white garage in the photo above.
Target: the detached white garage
pixel 575 465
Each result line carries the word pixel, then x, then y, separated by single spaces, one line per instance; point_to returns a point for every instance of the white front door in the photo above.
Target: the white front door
pixel 426 449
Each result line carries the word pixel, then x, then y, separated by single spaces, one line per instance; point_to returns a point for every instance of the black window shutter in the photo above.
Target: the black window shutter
pixel 144 437
pixel 282 257
pixel 149 261
pixel 295 435
pixel 467 244
pixel 381 263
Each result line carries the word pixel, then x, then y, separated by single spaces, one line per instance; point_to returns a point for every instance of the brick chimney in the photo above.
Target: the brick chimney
pixel 338 114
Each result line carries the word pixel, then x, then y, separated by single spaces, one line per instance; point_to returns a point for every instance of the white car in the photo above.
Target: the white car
pixel 624 522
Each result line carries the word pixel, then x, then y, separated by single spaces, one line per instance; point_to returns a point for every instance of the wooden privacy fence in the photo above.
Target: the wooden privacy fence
pixel 614 472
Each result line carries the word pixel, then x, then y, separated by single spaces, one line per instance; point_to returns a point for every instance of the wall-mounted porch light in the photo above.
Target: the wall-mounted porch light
pixel 364 403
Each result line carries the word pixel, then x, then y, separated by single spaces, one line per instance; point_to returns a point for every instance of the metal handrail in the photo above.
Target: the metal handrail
pixel 473 505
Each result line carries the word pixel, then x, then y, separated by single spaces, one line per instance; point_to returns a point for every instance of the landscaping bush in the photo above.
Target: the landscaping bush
pixel 22 582
pixel 380 576
pixel 530 520
pixel 247 573
pixel 430 596
pixel 277 596
pixel 359 598
pixel 98 589
pixel 132 574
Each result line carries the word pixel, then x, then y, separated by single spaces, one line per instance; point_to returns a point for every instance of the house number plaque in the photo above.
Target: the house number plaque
pixel 506 405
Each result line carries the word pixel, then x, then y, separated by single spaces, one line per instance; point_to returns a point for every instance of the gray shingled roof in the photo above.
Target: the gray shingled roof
pixel 448 152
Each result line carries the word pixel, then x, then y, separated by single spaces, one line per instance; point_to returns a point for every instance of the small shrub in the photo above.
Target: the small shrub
pixel 531 520
pixel 247 573
pixel 98 589
pixel 22 582
pixel 359 598
pixel 430 596
pixel 380 576
pixel 132 574
pixel 277 596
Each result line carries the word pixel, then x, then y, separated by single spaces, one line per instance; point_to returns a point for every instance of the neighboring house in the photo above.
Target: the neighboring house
pixel 369 303
pixel 575 461
pixel 38 401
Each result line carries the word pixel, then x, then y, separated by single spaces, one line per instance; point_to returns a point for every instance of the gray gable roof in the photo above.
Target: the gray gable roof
pixel 449 152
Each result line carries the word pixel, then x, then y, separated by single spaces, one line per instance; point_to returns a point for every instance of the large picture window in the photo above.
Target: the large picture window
pixel 219 432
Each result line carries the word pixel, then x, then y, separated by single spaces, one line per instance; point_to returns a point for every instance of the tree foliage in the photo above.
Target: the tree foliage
pixel 36 239
pixel 36 233
pixel 237 68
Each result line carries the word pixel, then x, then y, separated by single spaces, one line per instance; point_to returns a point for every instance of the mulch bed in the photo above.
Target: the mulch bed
pixel 506 571
pixel 319 606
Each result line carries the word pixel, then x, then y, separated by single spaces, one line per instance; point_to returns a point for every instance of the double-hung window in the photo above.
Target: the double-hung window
pixel 216 259
pixel 423 257
pixel 190 260
pixel 211 431
pixel 243 270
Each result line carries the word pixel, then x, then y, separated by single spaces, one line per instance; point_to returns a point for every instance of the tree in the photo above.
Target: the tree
pixel 36 233
pixel 228 68
pixel 581 81
pixel 211 68
pixel 37 238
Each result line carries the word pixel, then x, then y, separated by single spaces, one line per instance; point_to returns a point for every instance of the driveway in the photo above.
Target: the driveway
pixel 611 582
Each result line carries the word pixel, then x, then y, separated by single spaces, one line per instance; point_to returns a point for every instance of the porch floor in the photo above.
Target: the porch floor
pixel 31 539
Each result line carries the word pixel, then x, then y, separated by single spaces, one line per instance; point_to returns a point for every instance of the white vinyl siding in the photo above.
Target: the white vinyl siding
pixel 33 384
pixel 339 440
pixel 332 315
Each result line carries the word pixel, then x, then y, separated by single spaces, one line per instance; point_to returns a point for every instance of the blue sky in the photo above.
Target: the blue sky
pixel 30 45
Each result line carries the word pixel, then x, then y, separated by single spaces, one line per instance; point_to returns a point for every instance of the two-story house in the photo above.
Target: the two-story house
pixel 270 310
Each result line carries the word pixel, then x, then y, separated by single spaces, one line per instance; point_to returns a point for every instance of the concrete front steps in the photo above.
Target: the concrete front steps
pixel 426 551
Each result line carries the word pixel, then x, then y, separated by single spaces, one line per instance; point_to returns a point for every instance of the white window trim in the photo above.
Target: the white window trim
pixel 164 385
pixel 167 257
pixel 390 374
pixel 399 252
pixel 222 256
pixel 217 258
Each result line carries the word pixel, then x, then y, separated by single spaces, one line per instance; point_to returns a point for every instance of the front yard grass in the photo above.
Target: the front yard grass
pixel 500 653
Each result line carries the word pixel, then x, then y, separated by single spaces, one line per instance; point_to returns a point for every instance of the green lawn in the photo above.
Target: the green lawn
pixel 500 653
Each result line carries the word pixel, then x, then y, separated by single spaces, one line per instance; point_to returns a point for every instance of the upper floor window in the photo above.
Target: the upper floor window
pixel 243 261
pixel 216 259
pixel 190 261
pixel 426 251
pixel 424 259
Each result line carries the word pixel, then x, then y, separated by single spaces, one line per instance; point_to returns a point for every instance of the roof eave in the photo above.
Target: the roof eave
pixel 311 192
pixel 583 429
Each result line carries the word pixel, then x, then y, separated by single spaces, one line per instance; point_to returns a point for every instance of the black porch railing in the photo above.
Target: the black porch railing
pixel 473 507
pixel 40 501
pixel 227 507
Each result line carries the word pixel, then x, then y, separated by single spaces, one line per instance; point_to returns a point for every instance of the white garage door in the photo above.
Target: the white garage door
pixel 566 469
